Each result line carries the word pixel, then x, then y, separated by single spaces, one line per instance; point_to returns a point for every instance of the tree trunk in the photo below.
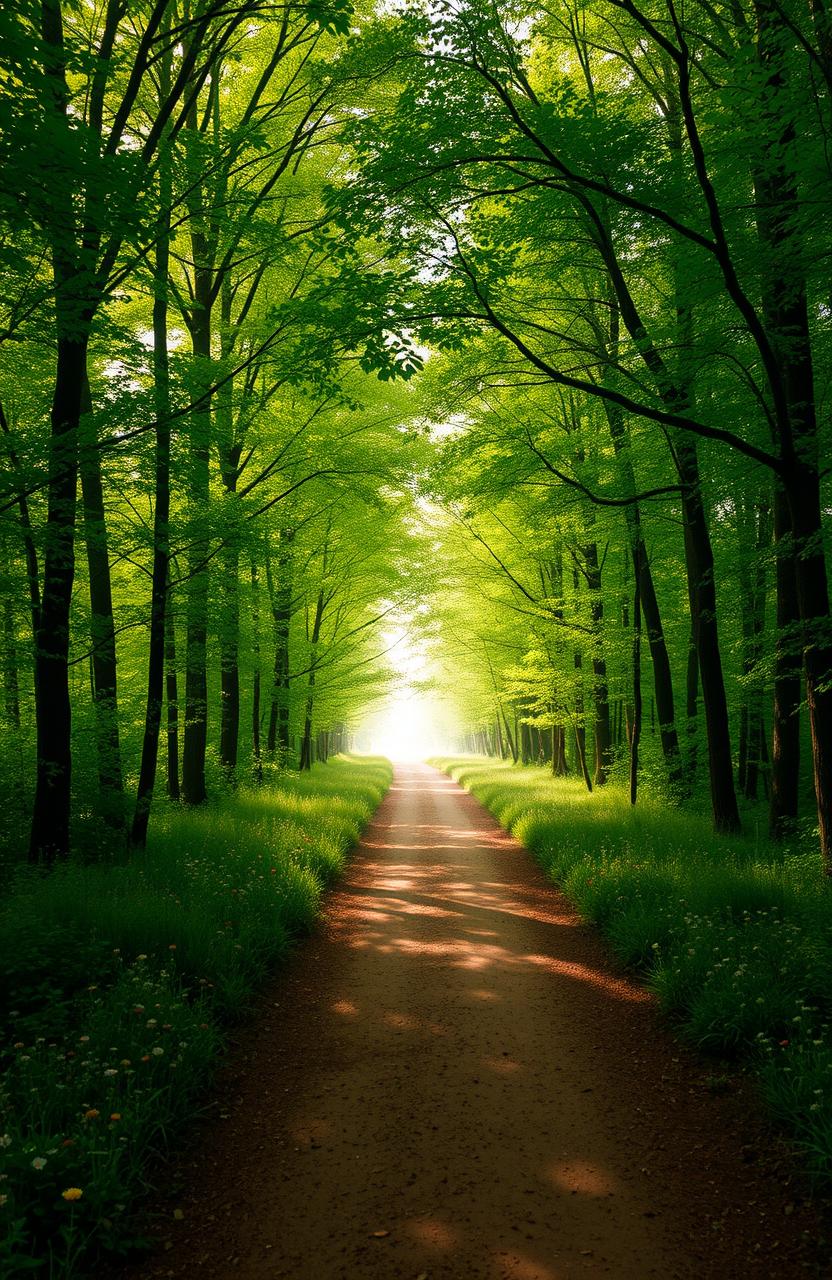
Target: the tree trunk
pixel 699 563
pixel 102 624
pixel 635 732
pixel 306 743
pixel 675 388
pixel 32 567
pixel 230 663
pixel 255 696
pixel 161 515
pixel 591 569
pixel 49 837
pixel 785 728
pixel 803 489
pixel 786 317
pixel 230 453
pixel 525 743
pixel 580 729
pixel 195 738
pixel 580 743
pixel 11 682
pixel 510 737
pixel 692 710
pixel 755 537
pixel 560 766
pixel 756 754
pixel 662 674
pixel 281 601
pixel 498 736
pixel 172 702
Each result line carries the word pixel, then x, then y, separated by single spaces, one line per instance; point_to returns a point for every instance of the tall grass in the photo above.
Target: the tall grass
pixel 733 935
pixel 116 984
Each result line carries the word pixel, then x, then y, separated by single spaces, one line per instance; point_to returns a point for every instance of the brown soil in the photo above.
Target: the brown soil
pixel 452 1080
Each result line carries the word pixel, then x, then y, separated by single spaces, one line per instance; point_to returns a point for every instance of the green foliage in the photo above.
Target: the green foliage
pixel 734 938
pixel 119 983
pixel 331 15
pixel 491 325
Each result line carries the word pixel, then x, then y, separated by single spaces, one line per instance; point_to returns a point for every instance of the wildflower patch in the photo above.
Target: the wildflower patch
pixel 103 1062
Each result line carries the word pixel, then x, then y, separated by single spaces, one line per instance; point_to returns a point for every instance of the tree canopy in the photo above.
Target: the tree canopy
pixel 504 324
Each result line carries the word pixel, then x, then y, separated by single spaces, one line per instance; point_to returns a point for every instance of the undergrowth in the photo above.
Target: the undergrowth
pixel 733 935
pixel 115 987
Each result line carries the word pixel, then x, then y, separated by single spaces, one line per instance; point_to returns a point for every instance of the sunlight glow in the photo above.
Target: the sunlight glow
pixel 412 723
pixel 404 730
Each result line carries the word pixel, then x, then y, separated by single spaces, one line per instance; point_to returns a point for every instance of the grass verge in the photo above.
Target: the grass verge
pixel 732 935
pixel 116 985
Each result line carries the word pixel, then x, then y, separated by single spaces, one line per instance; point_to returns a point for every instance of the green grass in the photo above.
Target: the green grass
pixel 733 935
pixel 116 984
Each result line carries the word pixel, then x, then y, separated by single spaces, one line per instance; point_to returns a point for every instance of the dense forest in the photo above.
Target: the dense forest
pixel 230 238
pixel 201 534
pixel 476 352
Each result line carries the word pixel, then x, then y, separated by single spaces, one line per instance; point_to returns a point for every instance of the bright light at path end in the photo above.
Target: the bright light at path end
pixel 405 730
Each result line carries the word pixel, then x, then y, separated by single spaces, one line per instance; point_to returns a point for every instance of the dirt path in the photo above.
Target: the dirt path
pixel 457 1084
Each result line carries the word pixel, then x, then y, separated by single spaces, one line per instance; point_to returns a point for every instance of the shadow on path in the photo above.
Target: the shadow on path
pixel 458 1084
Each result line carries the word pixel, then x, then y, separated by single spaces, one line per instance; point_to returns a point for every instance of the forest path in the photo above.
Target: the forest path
pixel 457 1083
